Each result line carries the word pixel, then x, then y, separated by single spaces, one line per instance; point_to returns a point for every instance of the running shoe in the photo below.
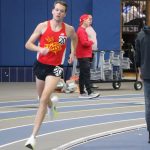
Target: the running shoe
pixel 84 95
pixel 93 95
pixel 31 142
pixel 52 111
pixel 89 96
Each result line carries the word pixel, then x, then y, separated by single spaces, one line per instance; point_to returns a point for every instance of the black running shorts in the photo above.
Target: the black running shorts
pixel 42 70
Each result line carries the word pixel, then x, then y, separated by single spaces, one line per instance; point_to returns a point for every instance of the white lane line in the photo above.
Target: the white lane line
pixel 19 110
pixel 96 136
pixel 22 105
pixel 76 111
pixel 76 101
pixel 137 95
pixel 15 101
pixel 75 118
pixel 110 103
pixel 2 146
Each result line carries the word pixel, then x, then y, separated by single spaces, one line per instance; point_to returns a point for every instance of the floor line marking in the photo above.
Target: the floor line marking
pixel 72 98
pixel 96 136
pixel 76 118
pixel 70 112
pixel 68 130
pixel 132 101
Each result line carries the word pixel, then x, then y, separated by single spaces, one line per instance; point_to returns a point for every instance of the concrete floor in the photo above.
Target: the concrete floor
pixel 27 90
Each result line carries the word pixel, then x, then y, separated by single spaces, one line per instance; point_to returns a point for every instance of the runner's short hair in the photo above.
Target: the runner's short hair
pixel 62 3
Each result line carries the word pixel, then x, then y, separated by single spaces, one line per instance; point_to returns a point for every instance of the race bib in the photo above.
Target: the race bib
pixel 58 71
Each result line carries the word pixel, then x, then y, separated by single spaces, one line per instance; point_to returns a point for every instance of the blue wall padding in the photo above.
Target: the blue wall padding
pixel 12 33
pixel 80 7
pixel 18 19
pixel 106 21
pixel 34 14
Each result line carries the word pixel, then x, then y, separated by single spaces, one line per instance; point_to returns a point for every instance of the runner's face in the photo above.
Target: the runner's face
pixel 59 12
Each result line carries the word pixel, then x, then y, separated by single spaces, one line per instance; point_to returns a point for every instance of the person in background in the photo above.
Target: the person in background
pixel 142 55
pixel 52 36
pixel 84 54
pixel 92 36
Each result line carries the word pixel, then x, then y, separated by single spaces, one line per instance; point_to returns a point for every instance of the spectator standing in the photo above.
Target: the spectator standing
pixel 84 54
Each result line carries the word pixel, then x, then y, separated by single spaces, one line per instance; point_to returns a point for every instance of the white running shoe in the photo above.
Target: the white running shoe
pixel 52 111
pixel 93 95
pixel 90 96
pixel 84 95
pixel 31 142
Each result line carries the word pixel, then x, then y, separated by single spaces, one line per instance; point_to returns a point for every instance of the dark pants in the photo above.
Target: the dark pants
pixel 84 76
pixel 147 102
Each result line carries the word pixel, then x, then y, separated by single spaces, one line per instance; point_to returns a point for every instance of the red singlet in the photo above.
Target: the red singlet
pixel 56 42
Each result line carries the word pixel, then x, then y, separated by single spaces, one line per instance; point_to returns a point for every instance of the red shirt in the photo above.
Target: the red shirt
pixel 56 42
pixel 84 46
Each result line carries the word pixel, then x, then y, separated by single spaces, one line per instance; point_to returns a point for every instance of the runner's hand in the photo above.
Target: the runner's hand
pixel 44 50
